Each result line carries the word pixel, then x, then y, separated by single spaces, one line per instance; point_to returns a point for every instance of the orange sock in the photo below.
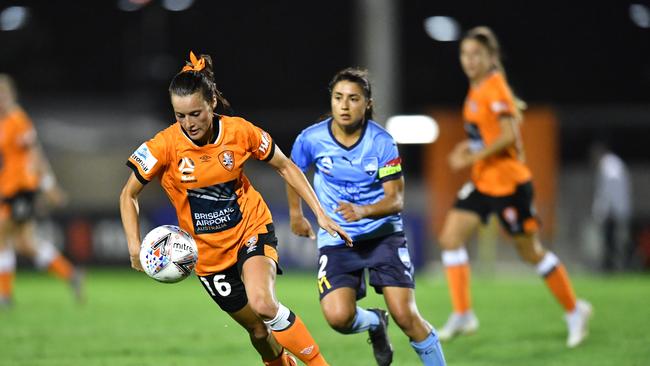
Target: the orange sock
pixel 558 282
pixel 297 339
pixel 458 280
pixel 61 267
pixel 6 284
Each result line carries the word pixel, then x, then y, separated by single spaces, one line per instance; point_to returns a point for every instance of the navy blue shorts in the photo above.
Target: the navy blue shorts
pixel 386 258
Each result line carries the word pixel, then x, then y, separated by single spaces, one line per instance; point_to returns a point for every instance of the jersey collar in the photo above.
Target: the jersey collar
pixel 363 132
pixel 216 120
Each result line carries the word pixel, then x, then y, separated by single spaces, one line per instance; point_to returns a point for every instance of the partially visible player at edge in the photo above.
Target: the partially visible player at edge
pixel 24 173
pixel 359 181
pixel 501 184
pixel 199 161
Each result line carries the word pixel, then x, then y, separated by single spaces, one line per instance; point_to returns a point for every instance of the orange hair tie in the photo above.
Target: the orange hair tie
pixel 194 64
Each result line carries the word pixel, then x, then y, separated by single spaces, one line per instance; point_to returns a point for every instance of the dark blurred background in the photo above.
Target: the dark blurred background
pixel 94 77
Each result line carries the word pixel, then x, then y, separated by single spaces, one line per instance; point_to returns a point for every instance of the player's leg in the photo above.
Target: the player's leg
pixel 517 217
pixel 424 340
pixel 7 263
pixel 459 226
pixel 227 290
pixel 557 279
pixel 47 257
pixel 341 282
pixel 258 274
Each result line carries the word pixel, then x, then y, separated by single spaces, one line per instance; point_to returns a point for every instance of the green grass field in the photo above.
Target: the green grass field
pixel 132 320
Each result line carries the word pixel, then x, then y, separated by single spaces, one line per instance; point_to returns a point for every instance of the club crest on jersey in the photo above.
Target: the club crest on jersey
pixel 186 167
pixel 227 159
pixel 370 165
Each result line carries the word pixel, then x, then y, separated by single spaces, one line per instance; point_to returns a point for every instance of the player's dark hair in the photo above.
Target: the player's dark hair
pixel 188 82
pixel 360 77
pixel 486 37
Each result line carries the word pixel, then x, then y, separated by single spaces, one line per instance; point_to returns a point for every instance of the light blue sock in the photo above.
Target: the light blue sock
pixel 430 351
pixel 364 320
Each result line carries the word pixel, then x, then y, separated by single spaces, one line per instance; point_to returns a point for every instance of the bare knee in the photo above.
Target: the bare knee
pixel 264 305
pixel 530 249
pixel 406 319
pixel 340 320
pixel 449 242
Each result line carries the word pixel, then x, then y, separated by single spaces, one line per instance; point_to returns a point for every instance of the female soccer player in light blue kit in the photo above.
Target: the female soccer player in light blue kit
pixel 359 182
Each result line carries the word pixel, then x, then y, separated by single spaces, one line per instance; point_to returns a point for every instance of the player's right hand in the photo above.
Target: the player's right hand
pixel 334 229
pixel 300 226
pixel 135 263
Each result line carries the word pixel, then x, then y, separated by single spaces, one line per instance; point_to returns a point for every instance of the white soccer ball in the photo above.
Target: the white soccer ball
pixel 168 254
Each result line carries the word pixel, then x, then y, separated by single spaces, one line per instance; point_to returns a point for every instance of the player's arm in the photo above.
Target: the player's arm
pixel 392 203
pixel 298 182
pixel 297 220
pixel 48 184
pixel 462 157
pixel 129 210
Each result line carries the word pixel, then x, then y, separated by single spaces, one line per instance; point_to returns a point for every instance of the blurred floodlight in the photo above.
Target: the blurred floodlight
pixel 131 5
pixel 415 129
pixel 13 18
pixel 443 29
pixel 177 5
pixel 640 15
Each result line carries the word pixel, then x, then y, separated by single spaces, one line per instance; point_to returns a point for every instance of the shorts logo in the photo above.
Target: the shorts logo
pixel 227 160
pixel 251 243
pixel 186 167
pixel 404 256
pixel 370 165
pixel 143 157
pixel 511 216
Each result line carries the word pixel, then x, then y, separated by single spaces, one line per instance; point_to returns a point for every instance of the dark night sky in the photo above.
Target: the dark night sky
pixel 283 53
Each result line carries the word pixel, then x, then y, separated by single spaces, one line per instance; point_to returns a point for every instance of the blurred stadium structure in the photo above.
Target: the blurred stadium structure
pixel 94 80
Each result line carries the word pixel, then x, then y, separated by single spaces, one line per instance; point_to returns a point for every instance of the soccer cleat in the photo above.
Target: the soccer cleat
pixel 578 323
pixel 381 347
pixel 77 284
pixel 465 323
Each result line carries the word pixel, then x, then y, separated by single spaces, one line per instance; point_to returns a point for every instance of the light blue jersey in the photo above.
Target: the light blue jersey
pixel 353 174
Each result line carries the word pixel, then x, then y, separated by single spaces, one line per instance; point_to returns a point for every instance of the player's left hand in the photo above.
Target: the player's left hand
pixel 351 212
pixel 334 229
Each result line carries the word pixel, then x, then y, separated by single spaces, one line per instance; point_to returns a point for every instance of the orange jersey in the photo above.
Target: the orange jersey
pixel 18 169
pixel 497 175
pixel 214 200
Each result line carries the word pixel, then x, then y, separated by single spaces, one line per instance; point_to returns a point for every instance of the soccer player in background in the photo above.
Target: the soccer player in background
pixel 501 184
pixel 359 181
pixel 25 173
pixel 199 161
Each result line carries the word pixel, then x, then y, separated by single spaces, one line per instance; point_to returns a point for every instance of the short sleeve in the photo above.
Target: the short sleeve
pixel 390 163
pixel 149 159
pixel 260 143
pixel 301 152
pixel 500 98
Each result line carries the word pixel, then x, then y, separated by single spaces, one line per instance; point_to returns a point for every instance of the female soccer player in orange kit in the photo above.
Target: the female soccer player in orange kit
pixel 199 161
pixel 24 172
pixel 501 184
